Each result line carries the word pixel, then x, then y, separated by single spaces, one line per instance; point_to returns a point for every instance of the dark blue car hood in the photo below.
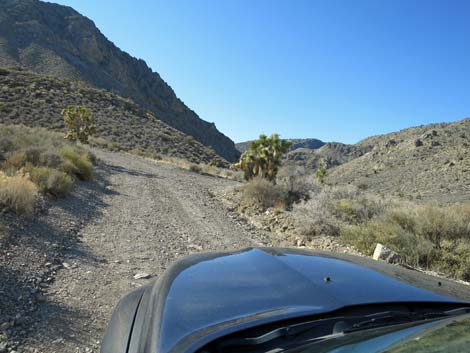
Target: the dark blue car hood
pixel 205 296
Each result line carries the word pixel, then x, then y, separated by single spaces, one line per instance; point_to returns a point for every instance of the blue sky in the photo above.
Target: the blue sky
pixel 337 70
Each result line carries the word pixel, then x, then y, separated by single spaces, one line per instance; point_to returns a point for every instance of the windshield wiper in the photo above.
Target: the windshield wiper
pixel 328 327
pixel 397 317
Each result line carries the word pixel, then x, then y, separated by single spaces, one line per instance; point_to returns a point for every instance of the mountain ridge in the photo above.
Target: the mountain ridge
pixel 310 143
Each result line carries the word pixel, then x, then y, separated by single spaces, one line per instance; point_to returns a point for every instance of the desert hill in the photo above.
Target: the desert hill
pixel 56 40
pixel 425 162
pixel 37 101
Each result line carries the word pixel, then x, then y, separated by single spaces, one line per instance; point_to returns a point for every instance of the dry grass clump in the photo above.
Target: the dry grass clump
pixel 35 156
pixel 17 193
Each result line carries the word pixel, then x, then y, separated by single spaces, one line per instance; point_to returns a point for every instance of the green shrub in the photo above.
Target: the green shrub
pixel 357 210
pixel 80 123
pixel 78 163
pixel 51 181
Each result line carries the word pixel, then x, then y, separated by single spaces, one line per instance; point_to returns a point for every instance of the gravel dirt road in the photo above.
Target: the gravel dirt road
pixel 150 214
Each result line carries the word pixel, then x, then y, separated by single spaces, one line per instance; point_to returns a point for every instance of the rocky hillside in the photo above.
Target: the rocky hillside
pixel 296 143
pixel 425 162
pixel 56 40
pixel 36 101
pixel 331 154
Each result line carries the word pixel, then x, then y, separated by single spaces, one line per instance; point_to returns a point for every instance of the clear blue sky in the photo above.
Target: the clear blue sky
pixel 331 69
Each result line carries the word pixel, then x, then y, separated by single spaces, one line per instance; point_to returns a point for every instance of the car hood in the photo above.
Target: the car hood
pixel 203 297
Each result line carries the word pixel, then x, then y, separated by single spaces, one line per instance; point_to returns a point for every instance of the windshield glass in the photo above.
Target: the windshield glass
pixel 448 335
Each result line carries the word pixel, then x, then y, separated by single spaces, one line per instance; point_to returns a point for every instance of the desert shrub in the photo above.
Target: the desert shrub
pixel 263 194
pixel 6 144
pixel 51 181
pixel 455 259
pixel 412 248
pixel 429 235
pixel 195 168
pixel 51 160
pixel 80 123
pixel 438 223
pixel 17 193
pixel 357 210
pixel 77 162
pixel 315 217
pixel 15 161
pixel 32 154
pixel 298 182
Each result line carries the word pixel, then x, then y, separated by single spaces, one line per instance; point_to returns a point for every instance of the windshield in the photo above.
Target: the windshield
pixel 394 330
pixel 447 335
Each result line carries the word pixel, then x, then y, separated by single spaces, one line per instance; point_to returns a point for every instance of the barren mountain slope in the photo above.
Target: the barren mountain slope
pixel 56 40
pixel 428 162
pixel 36 100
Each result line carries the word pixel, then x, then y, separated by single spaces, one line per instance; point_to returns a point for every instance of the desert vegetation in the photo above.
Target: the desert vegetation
pixel 79 122
pixel 119 124
pixel 301 204
pixel 36 161
pixel 263 158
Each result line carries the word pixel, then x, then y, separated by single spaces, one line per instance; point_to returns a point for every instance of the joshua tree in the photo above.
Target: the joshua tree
pixel 321 172
pixel 80 123
pixel 264 157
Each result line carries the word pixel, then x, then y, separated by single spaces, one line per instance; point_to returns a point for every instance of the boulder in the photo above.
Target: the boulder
pixel 383 253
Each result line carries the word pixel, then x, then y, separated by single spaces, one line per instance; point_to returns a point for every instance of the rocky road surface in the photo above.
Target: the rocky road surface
pixel 144 216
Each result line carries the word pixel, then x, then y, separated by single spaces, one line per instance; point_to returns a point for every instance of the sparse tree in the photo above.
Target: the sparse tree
pixel 321 172
pixel 264 157
pixel 80 123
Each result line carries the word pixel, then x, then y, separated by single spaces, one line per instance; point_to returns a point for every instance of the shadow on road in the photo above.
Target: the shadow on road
pixel 32 250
